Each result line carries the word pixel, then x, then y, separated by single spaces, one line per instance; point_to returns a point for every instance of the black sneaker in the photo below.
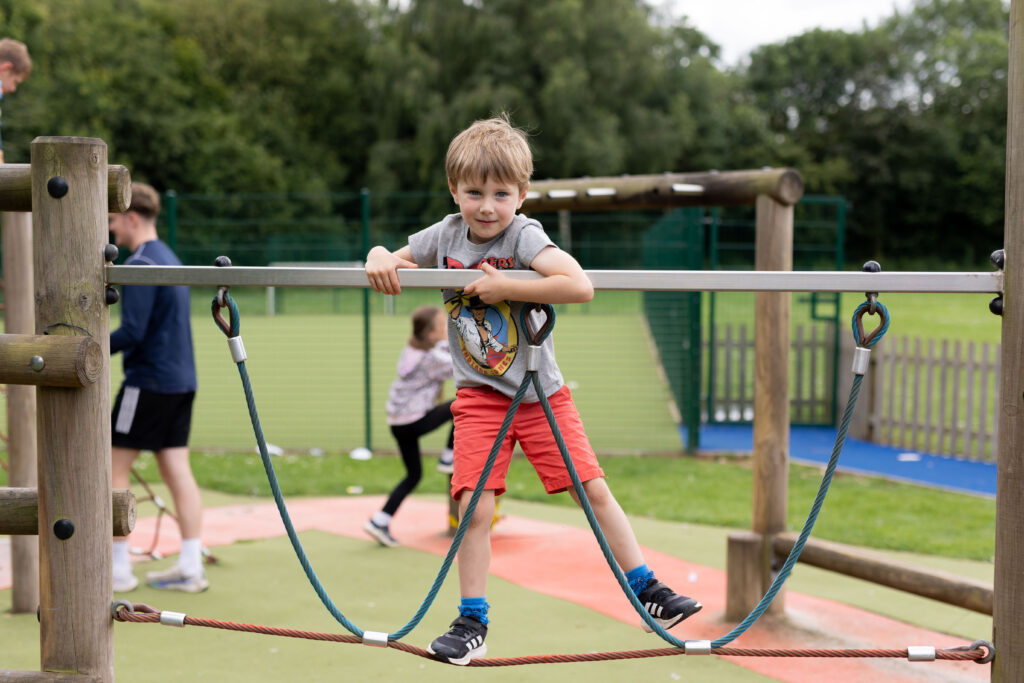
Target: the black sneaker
pixel 666 606
pixel 463 642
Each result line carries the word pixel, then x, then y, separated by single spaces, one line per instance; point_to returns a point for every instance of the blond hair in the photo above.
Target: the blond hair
pixel 15 52
pixel 490 148
pixel 145 200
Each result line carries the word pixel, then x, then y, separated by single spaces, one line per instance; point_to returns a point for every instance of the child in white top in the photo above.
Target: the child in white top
pixel 413 410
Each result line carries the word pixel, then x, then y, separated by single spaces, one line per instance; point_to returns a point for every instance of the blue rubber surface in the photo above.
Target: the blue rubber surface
pixel 813 445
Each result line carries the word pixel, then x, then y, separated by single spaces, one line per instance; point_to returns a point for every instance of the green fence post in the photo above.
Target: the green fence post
pixel 171 211
pixel 364 196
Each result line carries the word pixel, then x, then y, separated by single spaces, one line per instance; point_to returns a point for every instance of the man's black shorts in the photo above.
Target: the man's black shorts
pixel 149 421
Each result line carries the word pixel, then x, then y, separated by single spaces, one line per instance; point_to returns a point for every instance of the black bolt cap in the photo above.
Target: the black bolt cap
pixel 57 187
pixel 998 258
pixel 222 261
pixel 63 529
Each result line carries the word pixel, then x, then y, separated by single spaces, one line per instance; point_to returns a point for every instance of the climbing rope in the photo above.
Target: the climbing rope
pixel 980 651
pixel 231 327
pixel 536 332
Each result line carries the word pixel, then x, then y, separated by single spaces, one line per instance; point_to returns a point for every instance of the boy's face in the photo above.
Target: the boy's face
pixel 9 78
pixel 487 207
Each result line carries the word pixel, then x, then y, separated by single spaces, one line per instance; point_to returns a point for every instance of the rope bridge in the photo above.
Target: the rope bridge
pixel 980 651
pixel 537 321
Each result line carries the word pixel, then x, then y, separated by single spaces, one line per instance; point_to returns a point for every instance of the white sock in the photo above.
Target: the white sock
pixel 381 518
pixel 447 455
pixel 122 559
pixel 190 559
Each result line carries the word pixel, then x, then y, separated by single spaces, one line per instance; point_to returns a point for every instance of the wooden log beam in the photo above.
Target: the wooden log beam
pixel 12 676
pixel 862 564
pixel 16 187
pixel 667 190
pixel 19 511
pixel 49 360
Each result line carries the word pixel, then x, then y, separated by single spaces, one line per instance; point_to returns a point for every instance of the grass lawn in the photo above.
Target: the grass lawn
pixel 859 510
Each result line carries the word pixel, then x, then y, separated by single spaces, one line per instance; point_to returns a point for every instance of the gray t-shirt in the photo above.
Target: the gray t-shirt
pixel 487 343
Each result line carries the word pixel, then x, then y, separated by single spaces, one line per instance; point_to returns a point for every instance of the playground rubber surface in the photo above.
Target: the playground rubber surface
pixel 565 563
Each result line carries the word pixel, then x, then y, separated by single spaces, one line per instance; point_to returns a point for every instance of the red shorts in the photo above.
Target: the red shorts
pixel 479 412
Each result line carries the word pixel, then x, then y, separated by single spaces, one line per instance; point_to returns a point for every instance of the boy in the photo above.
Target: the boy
pixel 489 167
pixel 15 67
pixel 153 409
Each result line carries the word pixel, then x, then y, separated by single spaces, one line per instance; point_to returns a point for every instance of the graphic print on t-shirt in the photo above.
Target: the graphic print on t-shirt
pixel 488 336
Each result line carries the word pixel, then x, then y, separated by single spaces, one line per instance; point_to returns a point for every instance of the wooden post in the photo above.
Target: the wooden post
pixel 773 251
pixel 1008 617
pixel 69 204
pixel 19 318
pixel 746 569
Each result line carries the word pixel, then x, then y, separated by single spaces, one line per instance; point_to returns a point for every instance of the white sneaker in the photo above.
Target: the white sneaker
pixel 175 580
pixel 381 533
pixel 125 584
pixel 446 463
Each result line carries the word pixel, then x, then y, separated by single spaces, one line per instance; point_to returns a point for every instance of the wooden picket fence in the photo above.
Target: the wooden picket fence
pixel 928 395
pixel 936 396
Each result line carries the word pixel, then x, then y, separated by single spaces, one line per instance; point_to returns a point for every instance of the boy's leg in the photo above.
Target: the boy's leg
pixel 614 523
pixel 464 640
pixel 187 574
pixel 664 605
pixel 475 551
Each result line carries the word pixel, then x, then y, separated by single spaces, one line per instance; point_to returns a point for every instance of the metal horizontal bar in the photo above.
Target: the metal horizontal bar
pixel 632 280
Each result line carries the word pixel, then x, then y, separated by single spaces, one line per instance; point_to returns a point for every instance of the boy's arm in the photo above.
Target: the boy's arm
pixel 382 268
pixel 564 282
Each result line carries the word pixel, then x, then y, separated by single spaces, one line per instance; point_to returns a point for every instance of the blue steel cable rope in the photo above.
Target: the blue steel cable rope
pixel 863 341
pixel 531 376
pixel 231 329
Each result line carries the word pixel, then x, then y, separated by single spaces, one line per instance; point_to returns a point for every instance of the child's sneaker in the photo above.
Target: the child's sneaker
pixel 666 606
pixel 125 584
pixel 174 579
pixel 446 463
pixel 381 533
pixel 463 641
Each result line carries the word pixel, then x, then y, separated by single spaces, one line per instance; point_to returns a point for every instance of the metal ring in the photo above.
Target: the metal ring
pixel 990 650
pixel 990 653
pixel 865 340
pixel 119 604
pixel 872 298
pixel 535 337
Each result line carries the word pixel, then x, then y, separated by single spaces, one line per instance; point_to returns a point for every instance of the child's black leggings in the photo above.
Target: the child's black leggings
pixel 408 437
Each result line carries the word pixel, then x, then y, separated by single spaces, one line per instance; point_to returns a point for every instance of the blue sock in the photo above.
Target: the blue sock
pixel 474 607
pixel 639 577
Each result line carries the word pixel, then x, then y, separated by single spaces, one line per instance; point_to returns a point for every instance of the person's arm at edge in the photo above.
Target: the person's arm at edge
pixel 382 268
pixel 564 282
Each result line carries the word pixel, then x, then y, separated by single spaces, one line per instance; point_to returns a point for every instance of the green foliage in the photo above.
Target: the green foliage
pixel 906 118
